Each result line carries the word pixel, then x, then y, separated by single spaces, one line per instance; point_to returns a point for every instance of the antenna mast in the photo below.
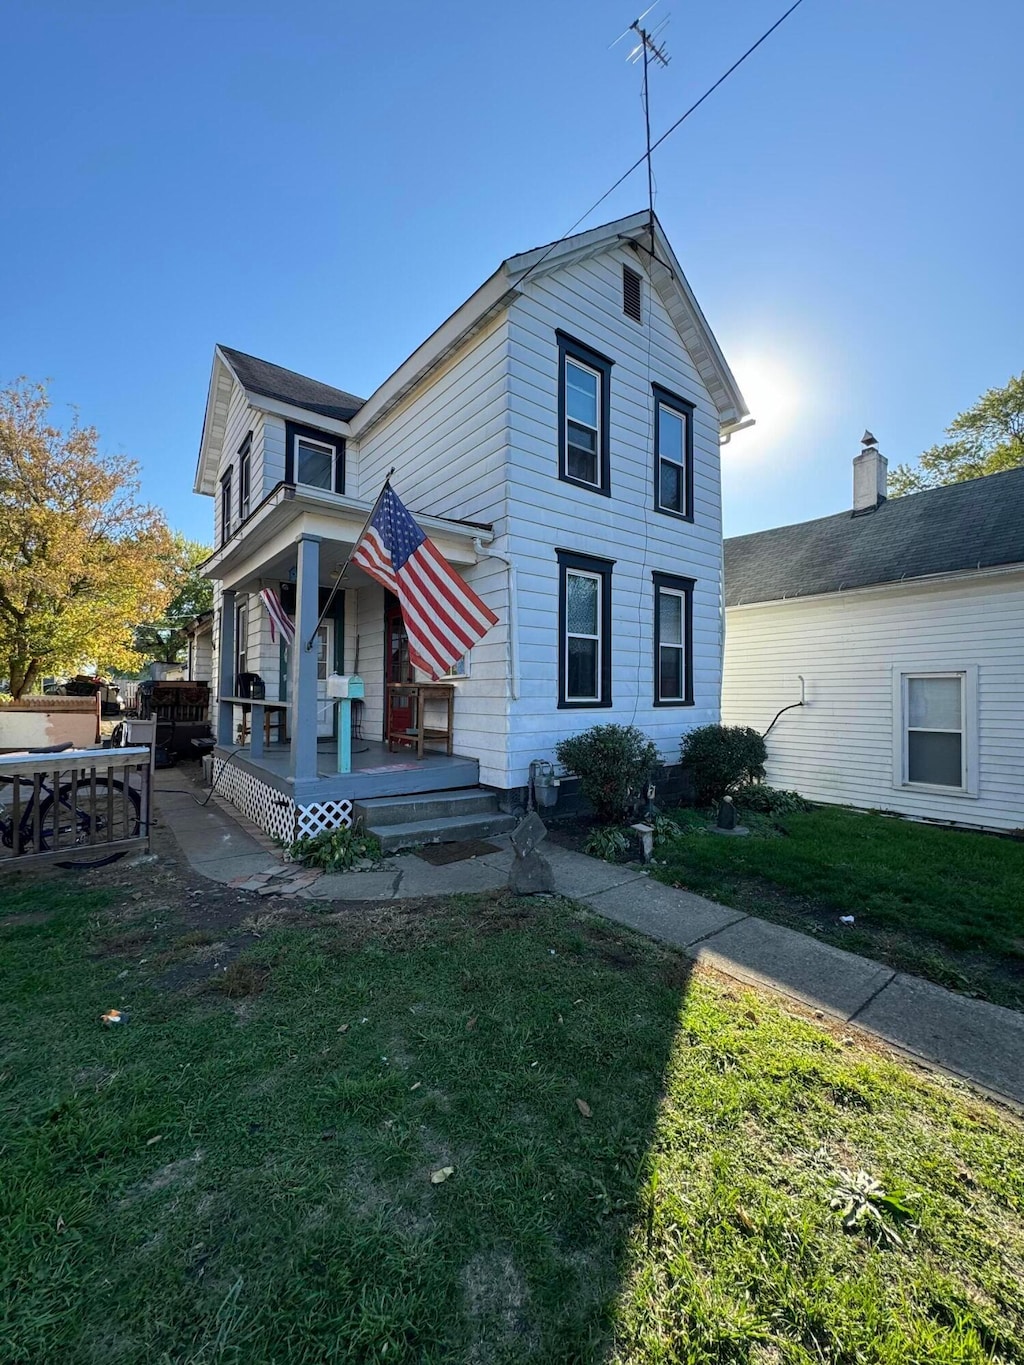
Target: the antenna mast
pixel 648 47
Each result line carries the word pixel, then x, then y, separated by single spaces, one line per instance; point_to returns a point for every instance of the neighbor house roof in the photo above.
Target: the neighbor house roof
pixel 274 381
pixel 974 525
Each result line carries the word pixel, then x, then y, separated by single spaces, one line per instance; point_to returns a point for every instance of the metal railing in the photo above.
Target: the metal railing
pixel 75 807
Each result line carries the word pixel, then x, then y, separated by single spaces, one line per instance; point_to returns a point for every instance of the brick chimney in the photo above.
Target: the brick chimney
pixel 869 476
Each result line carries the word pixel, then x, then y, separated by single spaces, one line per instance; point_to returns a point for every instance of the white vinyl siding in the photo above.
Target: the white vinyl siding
pixel 855 651
pixel 448 442
pixel 584 300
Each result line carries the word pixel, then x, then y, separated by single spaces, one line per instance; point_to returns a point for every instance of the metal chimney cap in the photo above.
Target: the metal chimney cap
pixel 868 440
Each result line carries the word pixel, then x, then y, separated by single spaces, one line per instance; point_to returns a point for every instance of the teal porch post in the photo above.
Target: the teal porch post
pixel 303 679
pixel 226 668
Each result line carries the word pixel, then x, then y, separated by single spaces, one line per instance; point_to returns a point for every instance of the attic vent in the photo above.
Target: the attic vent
pixel 631 294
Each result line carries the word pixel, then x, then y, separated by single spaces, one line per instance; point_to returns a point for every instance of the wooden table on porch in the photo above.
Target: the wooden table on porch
pixel 418 734
pixel 264 715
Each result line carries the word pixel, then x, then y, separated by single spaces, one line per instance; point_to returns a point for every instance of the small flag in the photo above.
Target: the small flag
pixel 278 616
pixel 443 615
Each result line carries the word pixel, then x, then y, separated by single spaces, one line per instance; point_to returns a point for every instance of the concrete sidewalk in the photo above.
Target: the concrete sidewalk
pixel 982 1043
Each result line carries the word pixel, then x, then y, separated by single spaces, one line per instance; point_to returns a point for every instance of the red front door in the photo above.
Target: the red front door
pixel 397 667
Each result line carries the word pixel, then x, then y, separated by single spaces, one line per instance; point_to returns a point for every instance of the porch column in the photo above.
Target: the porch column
pixel 226 667
pixel 303 670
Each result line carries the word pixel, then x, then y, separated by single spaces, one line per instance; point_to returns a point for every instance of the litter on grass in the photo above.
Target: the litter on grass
pixel 846 919
pixel 113 1017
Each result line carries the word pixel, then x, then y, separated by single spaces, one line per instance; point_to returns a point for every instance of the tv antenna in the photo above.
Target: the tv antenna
pixel 650 47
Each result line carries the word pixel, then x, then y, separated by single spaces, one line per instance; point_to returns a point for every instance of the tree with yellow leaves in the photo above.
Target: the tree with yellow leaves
pixel 82 560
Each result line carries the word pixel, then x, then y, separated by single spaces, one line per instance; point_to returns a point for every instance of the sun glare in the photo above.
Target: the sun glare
pixel 774 398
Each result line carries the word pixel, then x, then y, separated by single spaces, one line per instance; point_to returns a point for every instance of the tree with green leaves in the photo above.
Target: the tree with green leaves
pixel 986 439
pixel 191 594
pixel 81 558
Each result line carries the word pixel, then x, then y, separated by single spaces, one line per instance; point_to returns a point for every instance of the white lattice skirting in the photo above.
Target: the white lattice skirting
pixel 272 811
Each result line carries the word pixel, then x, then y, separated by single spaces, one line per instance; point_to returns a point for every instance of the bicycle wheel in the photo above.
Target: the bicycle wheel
pixel 85 828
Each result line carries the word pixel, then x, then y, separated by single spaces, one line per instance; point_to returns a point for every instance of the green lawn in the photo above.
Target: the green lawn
pixel 242 1173
pixel 941 903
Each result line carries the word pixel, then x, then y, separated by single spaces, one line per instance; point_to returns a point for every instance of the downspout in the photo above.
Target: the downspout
pixel 485 552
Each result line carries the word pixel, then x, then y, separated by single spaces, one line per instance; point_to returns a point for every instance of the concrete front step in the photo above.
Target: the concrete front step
pixel 443 830
pixel 375 813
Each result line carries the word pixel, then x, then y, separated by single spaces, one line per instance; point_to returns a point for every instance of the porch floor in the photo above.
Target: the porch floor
pixel 375 771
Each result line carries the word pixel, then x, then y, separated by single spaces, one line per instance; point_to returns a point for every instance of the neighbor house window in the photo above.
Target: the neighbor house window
pixel 673 454
pixel 314 459
pixel 245 477
pixel 585 630
pixel 225 506
pixel 673 640
pixel 934 715
pixel 584 406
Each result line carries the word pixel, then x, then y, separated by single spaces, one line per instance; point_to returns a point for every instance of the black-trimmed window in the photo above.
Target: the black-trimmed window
pixel 244 477
pixel 584 630
pixel 314 458
pixel 584 414
pixel 225 504
pixel 673 640
pixel 673 454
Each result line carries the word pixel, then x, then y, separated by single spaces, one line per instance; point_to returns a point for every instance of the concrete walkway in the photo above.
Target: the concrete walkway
pixel 982 1043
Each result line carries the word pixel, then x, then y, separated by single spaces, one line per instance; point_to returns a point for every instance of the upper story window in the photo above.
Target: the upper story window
pixel 584 408
pixel 584 630
pixel 314 459
pixel 225 505
pixel 631 296
pixel 673 454
pixel 245 477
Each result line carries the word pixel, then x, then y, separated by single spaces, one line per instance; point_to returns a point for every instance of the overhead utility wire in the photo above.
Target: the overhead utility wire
pixel 668 132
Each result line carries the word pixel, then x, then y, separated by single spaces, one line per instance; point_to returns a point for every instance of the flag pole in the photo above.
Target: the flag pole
pixel 344 567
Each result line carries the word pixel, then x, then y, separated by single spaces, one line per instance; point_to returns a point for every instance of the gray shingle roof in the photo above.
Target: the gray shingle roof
pixel 273 381
pixel 972 525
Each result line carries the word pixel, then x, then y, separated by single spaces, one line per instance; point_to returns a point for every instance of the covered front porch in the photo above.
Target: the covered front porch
pixel 277 724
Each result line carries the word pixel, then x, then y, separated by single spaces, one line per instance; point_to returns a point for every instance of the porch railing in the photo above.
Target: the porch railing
pixel 79 807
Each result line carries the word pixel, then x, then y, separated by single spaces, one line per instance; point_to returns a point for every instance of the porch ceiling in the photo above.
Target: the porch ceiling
pixel 264 546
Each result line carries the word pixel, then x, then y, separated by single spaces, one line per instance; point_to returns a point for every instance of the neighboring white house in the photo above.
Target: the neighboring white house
pixel 901 626
pixel 558 439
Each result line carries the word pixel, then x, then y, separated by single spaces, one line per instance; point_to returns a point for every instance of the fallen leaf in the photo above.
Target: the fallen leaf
pixel 749 1014
pixel 416 1086
pixel 561 1020
pixel 471 1023
pixel 439 1177
pixel 584 1108
pixel 744 1219
pixel 158 1138
pixel 344 1028
pixel 61 1225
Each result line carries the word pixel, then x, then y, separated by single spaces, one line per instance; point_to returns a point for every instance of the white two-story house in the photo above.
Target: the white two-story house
pixel 558 438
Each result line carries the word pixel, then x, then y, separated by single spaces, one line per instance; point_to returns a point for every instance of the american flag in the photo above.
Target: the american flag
pixel 278 616
pixel 443 615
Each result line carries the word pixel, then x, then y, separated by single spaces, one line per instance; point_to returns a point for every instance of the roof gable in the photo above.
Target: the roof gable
pixel 978 524
pixel 286 386
pixel 259 379
pixel 506 284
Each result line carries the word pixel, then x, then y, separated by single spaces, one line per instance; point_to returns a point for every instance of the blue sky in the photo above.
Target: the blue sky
pixel 322 183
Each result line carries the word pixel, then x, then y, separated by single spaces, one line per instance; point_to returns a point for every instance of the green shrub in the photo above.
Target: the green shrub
pixel 334 850
pixel 722 758
pixel 614 763
pixel 665 828
pixel 770 800
pixel 606 842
